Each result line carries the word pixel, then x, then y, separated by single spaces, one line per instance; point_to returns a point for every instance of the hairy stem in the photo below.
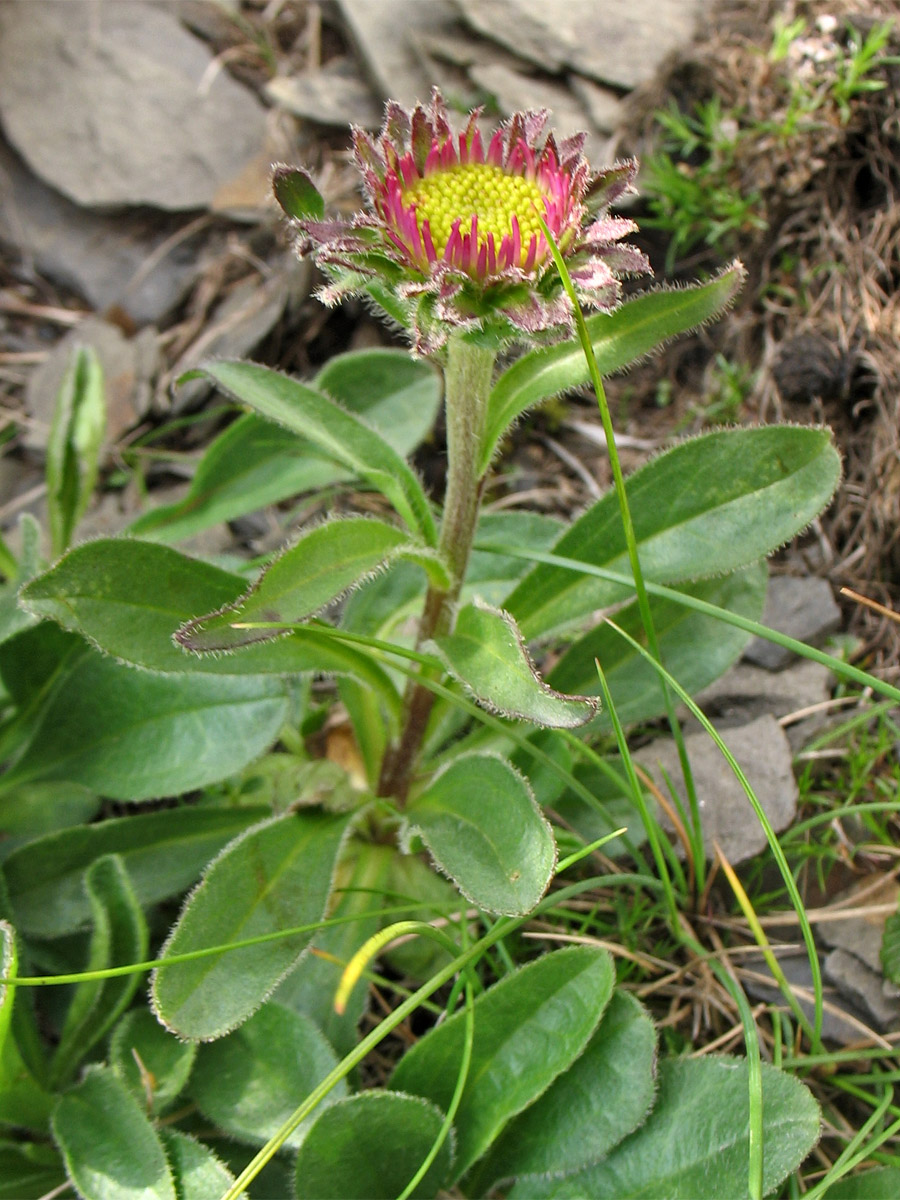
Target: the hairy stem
pixel 467 386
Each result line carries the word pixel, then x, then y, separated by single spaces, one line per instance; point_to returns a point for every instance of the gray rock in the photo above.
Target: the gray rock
pixel 843 1022
pixel 747 692
pixel 621 42
pixel 389 38
pixel 762 751
pixel 861 934
pixel 333 95
pixel 515 91
pixel 863 987
pixel 129 365
pixel 802 608
pixel 108 260
pixel 115 103
pixel 601 104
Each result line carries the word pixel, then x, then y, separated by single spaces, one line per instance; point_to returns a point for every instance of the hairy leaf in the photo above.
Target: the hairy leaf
pixel 619 338
pixel 112 1152
pixel 479 820
pixel 250 1082
pixel 529 1028
pixel 708 506
pixel 694 1145
pixel 369 1146
pixel 273 877
pixel 486 653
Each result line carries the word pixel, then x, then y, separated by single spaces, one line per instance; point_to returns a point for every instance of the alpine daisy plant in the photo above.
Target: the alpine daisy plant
pixel 465 784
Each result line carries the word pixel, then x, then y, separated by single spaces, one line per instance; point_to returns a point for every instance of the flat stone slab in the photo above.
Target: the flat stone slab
pixel 124 260
pixel 747 692
pixel 332 95
pixel 388 39
pixel 113 102
pixel 762 751
pixel 620 42
pixel 803 608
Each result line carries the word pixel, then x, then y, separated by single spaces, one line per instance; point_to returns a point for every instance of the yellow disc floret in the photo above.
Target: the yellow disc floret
pixel 460 192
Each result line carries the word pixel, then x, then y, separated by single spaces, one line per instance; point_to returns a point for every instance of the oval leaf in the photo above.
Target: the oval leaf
pixel 486 653
pixel 250 1082
pixel 336 432
pixel 111 1150
pixel 695 1143
pixel 152 1063
pixel 325 564
pixel 479 819
pixel 369 1147
pixel 890 948
pixel 529 1028
pixel 590 1108
pixel 163 852
pixel 708 506
pixel 131 735
pixel 198 1174
pixel 619 338
pixel 880 1184
pixel 275 876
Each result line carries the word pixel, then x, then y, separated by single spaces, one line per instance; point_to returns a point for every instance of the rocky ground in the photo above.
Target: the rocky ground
pixel 135 217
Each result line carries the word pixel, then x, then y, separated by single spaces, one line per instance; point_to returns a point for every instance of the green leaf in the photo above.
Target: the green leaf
pixel 395 393
pixel 322 566
pixel 32 811
pixel 163 853
pixel 490 576
pixel 275 876
pixel 129 597
pixel 132 735
pixel 297 194
pixel 153 1064
pixel 119 936
pixel 529 1028
pixel 619 338
pixel 480 822
pixel 368 1147
pixel 340 434
pixel 697 649
pixel 695 1143
pixel 589 1109
pixel 73 447
pixel 112 1152
pixel 250 1082
pixel 486 653
pixel 881 1184
pixel 255 463
pixel 29 1171
pixel 197 1173
pixel 890 948
pixel 705 507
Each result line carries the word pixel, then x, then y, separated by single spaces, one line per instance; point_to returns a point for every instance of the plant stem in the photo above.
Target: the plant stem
pixel 467 380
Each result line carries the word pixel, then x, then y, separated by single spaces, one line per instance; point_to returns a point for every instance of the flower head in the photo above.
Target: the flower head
pixel 451 235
